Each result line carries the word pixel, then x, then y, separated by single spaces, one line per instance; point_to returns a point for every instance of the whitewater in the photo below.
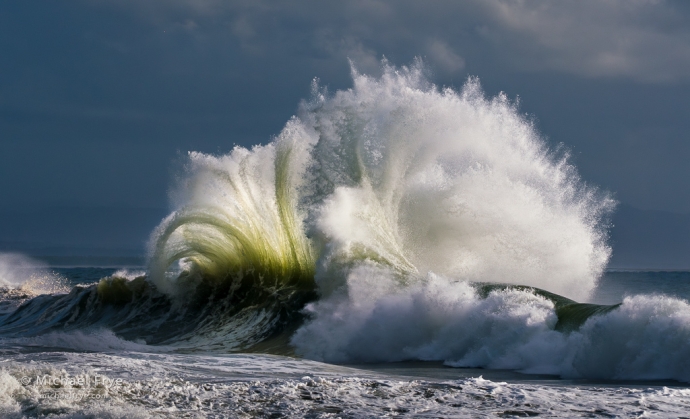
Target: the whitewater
pixel 398 249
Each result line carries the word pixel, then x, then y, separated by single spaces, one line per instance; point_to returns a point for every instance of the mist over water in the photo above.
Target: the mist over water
pixel 16 269
pixel 22 273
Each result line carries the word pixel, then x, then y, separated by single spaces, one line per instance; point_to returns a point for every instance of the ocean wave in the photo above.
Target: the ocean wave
pixel 390 221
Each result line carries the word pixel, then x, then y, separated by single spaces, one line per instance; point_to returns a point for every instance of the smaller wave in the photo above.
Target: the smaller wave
pixel 18 271
pixel 498 326
pixel 210 315
pixel 129 274
pixel 97 340
pixel 22 278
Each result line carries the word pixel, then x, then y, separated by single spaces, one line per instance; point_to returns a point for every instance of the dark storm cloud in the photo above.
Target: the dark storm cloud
pixel 643 40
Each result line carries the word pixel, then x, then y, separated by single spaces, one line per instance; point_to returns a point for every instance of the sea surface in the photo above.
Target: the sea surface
pixel 120 378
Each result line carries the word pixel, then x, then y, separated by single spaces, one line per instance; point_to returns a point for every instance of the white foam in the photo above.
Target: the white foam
pixel 170 386
pixel 128 274
pixel 16 269
pixel 19 271
pixel 434 320
pixel 378 320
pixel 648 337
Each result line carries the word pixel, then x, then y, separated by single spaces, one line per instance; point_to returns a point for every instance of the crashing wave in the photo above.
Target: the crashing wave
pixel 391 221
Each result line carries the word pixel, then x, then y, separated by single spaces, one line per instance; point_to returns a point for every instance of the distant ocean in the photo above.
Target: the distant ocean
pixel 398 250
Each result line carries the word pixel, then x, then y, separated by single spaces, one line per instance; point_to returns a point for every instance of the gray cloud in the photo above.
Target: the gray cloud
pixel 444 57
pixel 641 40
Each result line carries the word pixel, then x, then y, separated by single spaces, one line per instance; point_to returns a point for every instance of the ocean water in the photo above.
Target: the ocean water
pixel 398 250
pixel 114 377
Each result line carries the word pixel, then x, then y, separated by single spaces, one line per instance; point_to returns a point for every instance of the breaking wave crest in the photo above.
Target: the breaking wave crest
pixel 391 221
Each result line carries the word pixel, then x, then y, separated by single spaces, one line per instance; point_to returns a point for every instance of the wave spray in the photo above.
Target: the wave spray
pixel 396 174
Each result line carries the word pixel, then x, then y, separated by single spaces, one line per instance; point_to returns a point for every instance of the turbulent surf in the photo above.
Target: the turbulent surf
pixel 392 221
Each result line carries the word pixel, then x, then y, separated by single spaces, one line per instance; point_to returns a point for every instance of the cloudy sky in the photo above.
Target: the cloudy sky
pixel 99 99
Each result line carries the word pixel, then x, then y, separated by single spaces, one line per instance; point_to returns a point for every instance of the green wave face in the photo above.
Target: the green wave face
pixel 571 314
pixel 239 218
